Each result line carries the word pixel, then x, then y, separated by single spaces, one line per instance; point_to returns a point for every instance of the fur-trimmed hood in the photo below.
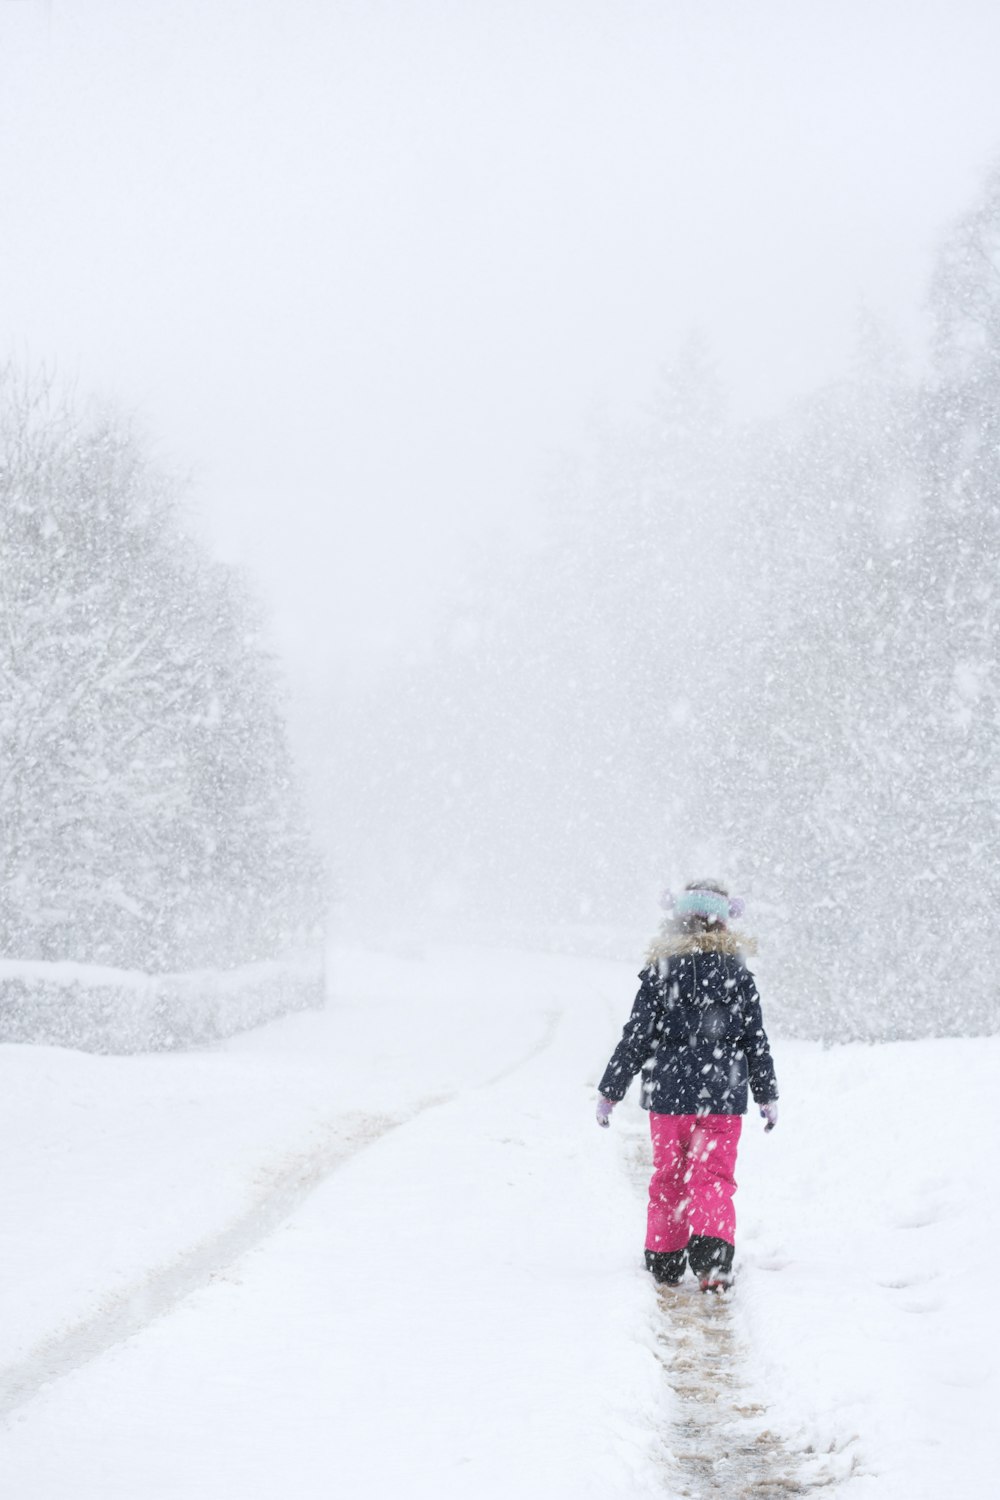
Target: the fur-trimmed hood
pixel 668 943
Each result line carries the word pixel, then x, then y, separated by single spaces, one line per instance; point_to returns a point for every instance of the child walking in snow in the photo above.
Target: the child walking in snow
pixel 696 1031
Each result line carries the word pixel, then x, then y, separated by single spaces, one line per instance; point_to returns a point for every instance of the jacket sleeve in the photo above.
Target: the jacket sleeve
pixel 757 1048
pixel 638 1041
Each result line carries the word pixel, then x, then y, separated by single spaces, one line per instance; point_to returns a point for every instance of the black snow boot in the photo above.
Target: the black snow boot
pixel 711 1261
pixel 667 1266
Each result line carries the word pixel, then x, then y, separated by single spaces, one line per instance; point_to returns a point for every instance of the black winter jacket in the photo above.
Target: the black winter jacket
pixel 696 1027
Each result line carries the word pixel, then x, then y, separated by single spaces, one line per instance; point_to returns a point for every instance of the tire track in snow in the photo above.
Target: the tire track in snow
pixel 548 1036
pixel 284 1186
pixel 721 1444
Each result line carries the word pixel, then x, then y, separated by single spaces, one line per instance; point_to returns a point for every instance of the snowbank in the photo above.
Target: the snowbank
pixel 99 1009
pixel 868 1225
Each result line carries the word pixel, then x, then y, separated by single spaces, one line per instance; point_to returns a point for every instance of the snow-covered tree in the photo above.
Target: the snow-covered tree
pixel 148 814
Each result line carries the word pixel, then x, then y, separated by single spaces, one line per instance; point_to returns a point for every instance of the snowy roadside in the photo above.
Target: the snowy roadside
pixel 115 1165
pixel 865 1304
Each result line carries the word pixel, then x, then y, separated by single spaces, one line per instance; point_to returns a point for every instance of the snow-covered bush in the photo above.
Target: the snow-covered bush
pixel 147 807
pixel 109 1010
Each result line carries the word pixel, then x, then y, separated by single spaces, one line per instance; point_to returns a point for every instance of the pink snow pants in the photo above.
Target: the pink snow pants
pixel 692 1186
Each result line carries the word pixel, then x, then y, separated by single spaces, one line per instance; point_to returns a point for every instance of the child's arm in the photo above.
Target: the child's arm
pixel 760 1065
pixel 637 1043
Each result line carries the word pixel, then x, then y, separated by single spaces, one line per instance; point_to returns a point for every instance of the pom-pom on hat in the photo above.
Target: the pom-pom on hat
pixel 703 898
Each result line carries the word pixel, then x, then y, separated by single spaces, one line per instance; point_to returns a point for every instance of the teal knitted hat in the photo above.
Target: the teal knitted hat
pixel 703 899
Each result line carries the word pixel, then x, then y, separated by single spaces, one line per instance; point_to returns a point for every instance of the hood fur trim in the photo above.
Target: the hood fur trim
pixel 668 943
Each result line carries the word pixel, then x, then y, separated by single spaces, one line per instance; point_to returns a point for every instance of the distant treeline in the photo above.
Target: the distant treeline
pixel 769 651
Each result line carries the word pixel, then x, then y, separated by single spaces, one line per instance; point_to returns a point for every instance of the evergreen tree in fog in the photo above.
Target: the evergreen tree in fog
pixel 771 651
pixel 148 812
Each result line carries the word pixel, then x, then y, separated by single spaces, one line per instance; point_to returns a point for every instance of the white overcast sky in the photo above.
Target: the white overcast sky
pixel 362 264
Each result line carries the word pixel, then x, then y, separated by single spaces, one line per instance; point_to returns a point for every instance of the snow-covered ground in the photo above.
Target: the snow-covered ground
pixel 385 1249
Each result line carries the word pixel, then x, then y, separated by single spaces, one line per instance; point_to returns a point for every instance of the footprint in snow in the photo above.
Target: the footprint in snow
pixel 923 1215
pixel 913 1278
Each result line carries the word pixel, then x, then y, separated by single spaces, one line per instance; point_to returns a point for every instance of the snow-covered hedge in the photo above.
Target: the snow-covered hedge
pixel 120 1010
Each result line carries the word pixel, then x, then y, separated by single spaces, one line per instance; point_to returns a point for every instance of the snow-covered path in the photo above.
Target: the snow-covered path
pixel 348 1345
pixel 385 1250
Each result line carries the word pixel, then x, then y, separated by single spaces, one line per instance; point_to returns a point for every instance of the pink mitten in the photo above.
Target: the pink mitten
pixel 604 1108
